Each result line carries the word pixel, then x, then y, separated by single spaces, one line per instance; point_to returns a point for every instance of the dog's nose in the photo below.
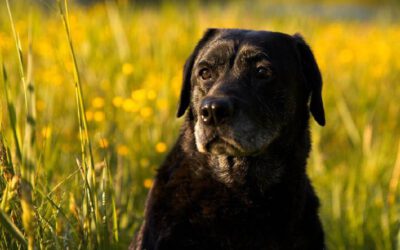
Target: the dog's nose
pixel 215 111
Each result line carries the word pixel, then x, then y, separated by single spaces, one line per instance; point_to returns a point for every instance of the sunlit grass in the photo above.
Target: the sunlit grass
pixel 88 102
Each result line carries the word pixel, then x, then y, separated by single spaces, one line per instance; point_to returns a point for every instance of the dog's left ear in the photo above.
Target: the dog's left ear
pixel 313 79
pixel 187 72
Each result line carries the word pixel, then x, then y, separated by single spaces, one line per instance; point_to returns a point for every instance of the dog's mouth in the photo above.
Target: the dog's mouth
pixel 219 145
pixel 230 141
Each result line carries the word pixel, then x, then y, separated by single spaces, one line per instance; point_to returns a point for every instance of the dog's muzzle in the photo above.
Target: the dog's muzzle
pixel 215 111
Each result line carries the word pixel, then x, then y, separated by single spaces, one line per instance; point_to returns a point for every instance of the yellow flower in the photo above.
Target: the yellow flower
pixel 130 106
pixel 127 69
pixel 98 102
pixel 161 147
pixel 139 95
pixel 99 116
pixel 162 104
pixel 148 183
pixel 103 143
pixel 122 150
pixel 117 101
pixel 176 83
pixel 146 112
pixel 46 132
pixel 151 95
pixel 89 115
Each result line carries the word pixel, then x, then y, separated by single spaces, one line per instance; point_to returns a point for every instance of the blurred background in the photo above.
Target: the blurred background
pixel 88 98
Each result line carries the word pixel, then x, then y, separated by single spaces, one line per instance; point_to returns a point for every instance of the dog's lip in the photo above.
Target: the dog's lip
pixel 228 141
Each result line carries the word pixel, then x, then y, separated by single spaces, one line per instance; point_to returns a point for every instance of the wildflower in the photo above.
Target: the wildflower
pixel 99 116
pixel 162 104
pixel 46 132
pixel 146 112
pixel 122 150
pixel 139 95
pixel 176 84
pixel 151 95
pixel 161 147
pixel 148 183
pixel 103 143
pixel 89 115
pixel 130 106
pixel 117 101
pixel 127 69
pixel 98 102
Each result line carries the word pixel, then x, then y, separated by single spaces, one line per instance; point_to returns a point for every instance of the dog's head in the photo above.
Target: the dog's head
pixel 243 87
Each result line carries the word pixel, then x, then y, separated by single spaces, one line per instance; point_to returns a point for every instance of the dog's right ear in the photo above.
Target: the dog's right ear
pixel 184 100
pixel 313 79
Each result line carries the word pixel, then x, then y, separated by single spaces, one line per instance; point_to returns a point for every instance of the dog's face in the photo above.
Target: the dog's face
pixel 243 87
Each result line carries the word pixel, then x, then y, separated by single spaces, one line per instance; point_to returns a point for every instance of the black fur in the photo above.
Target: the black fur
pixel 313 78
pixel 187 72
pixel 261 200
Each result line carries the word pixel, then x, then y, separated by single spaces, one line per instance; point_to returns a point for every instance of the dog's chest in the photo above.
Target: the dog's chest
pixel 206 202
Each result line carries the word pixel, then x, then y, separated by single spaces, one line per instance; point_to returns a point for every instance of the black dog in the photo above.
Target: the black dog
pixel 236 178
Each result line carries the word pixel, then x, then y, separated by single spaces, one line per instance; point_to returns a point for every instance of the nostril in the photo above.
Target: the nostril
pixel 204 112
pixel 206 115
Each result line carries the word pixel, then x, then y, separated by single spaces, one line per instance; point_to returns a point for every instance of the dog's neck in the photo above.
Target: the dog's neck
pixel 285 157
pixel 239 171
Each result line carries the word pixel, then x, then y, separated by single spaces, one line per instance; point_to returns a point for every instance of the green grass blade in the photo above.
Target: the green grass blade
pixel 12 117
pixel 19 52
pixel 117 28
pixel 104 204
pixel 62 182
pixel 29 153
pixel 78 87
pixel 86 148
pixel 114 209
pixel 12 229
pixel 348 121
pixel 53 204
pixel 50 227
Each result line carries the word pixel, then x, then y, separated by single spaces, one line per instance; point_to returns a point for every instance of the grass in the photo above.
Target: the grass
pixel 87 104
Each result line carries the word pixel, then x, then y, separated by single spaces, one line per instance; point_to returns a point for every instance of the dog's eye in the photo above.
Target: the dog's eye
pixel 205 73
pixel 263 72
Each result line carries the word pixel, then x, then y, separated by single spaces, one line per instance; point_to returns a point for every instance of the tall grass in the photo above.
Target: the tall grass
pixel 87 106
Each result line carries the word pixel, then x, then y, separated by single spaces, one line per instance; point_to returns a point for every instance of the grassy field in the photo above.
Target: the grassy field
pixel 88 101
